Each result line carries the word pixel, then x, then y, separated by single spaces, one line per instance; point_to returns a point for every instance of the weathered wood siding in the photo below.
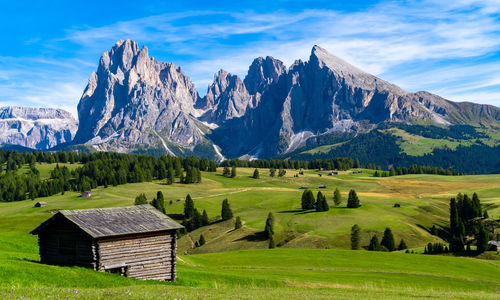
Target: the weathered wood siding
pixel 65 244
pixel 148 256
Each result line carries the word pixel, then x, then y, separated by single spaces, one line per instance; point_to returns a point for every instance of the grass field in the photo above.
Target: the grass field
pixel 206 272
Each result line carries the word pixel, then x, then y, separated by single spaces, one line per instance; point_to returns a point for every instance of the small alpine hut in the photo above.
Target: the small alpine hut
pixel 135 241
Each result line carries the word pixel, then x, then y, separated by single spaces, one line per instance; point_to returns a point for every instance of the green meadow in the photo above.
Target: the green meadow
pixel 312 260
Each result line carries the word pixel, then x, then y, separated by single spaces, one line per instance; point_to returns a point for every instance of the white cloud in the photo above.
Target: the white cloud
pixel 416 44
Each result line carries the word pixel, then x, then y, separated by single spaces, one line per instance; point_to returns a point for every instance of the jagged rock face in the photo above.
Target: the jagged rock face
pixel 133 99
pixel 226 98
pixel 262 73
pixel 36 128
pixel 323 95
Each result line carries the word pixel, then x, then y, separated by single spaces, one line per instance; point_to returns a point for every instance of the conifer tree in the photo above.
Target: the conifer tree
pixel 256 174
pixel 321 204
pixel 482 239
pixel 272 172
pixel 352 200
pixel 271 242
pixel 337 197
pixel 188 207
pixel 485 214
pixel 237 223
pixel 374 244
pixel 356 164
pixel 281 172
pixel 159 202
pixel 233 172
pixel 402 245
pixel 202 240
pixel 226 212
pixel 170 176
pixel 204 218
pixel 307 200
pixel 226 172
pixel 196 220
pixel 141 199
pixel 269 229
pixel 355 231
pixel 388 240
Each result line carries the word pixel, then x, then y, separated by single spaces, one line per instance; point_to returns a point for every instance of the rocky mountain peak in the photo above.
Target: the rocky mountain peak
pixel 262 73
pixel 226 98
pixel 36 128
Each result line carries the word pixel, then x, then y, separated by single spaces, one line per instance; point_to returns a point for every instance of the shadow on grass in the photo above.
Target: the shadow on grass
pixel 255 237
pixel 441 231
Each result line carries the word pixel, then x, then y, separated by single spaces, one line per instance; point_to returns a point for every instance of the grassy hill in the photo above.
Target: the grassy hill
pixel 206 272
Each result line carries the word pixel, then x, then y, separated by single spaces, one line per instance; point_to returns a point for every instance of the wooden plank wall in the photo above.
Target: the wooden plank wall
pixel 149 256
pixel 49 243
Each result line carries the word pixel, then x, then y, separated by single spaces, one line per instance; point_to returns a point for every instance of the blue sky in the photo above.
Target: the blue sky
pixel 49 48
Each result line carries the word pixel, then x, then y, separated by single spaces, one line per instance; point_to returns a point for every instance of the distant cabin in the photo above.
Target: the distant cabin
pixel 495 244
pixel 136 241
pixel 86 194
pixel 40 204
pixel 305 187
pixel 322 186
pixel 333 173
pixel 397 205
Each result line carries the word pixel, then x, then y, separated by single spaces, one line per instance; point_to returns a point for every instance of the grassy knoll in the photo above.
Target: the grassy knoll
pixel 206 272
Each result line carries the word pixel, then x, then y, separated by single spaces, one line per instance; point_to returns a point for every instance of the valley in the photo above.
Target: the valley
pixel 219 268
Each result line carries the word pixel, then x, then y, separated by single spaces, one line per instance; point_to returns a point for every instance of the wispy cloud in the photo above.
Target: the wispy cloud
pixel 452 48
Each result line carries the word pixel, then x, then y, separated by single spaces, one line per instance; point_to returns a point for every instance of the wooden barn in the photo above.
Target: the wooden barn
pixel 136 241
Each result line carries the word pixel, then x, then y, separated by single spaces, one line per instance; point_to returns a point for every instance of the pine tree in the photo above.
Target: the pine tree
pixel 352 200
pixel 321 204
pixel 281 172
pixel 307 200
pixel 202 240
pixel 141 199
pixel 188 207
pixel 485 214
pixel 271 242
pixel 159 202
pixel 388 240
pixel 233 172
pixel 237 223
pixel 356 164
pixel 355 231
pixel 226 172
pixel 337 197
pixel 256 174
pixel 269 229
pixel 196 220
pixel 482 239
pixel 374 244
pixel 476 206
pixel 456 228
pixel 226 212
pixel 204 218
pixel 272 172
pixel 402 245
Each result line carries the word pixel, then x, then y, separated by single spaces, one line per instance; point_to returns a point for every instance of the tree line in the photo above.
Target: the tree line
pixel 97 169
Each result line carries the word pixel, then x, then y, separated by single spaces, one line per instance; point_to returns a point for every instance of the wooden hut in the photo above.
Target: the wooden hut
pixel 136 241
pixel 40 204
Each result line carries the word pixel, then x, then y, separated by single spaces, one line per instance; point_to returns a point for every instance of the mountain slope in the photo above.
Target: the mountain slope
pixel 36 128
pixel 134 103
pixel 325 95
pixel 135 100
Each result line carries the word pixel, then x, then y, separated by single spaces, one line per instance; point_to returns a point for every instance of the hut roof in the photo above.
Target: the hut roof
pixel 116 221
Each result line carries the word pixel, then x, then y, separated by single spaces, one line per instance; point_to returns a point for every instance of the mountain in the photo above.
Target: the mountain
pixel 326 95
pixel 35 128
pixel 134 103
